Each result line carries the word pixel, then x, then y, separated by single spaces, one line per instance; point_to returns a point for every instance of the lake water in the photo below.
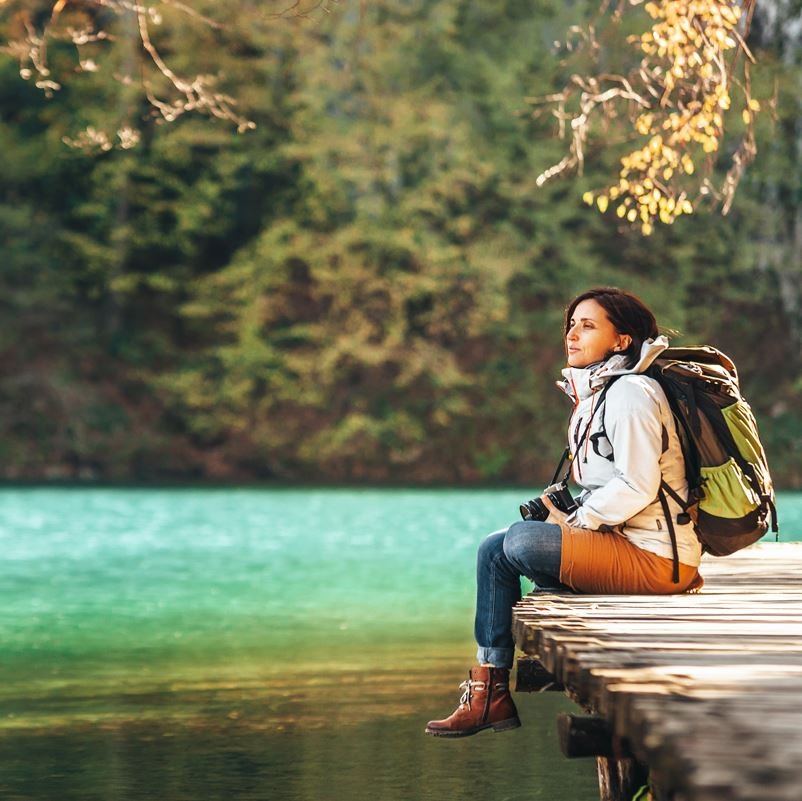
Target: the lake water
pixel 282 644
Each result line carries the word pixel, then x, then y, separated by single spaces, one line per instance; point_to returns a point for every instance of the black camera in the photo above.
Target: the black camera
pixel 558 494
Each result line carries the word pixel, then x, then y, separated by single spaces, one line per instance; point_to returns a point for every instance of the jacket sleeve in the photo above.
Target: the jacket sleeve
pixel 633 423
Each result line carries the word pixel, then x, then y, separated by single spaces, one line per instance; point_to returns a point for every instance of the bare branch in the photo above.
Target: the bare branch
pixel 191 12
pixel 170 94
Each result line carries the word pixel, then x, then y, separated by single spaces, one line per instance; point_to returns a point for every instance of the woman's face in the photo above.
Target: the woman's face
pixel 591 336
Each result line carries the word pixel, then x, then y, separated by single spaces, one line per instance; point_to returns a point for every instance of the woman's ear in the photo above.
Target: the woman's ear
pixel 623 343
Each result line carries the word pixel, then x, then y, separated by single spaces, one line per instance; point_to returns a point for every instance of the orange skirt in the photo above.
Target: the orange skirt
pixel 607 562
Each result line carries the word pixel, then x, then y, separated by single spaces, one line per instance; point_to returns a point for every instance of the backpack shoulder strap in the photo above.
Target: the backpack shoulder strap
pixel 671 532
pixel 684 516
pixel 599 404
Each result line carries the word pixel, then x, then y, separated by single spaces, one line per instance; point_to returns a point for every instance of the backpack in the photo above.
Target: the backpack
pixel 731 498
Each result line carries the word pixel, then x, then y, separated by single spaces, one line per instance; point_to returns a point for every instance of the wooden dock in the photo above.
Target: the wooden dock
pixel 703 690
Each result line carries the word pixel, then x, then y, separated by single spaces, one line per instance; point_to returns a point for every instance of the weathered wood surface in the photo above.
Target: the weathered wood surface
pixel 706 688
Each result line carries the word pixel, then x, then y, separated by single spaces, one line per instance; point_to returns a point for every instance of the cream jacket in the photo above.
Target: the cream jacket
pixel 621 450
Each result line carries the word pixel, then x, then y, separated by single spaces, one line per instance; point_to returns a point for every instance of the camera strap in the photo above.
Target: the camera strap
pixel 566 456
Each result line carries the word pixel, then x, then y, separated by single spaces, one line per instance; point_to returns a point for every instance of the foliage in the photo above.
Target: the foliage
pixel 368 285
pixel 675 86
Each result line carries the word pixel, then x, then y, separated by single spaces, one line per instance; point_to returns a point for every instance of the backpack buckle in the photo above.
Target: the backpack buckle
pixel 683 518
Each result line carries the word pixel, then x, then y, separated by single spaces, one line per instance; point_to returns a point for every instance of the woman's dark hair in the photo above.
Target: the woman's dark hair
pixel 627 312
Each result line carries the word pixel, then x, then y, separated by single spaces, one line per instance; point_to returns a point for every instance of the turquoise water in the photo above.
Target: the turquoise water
pixel 253 643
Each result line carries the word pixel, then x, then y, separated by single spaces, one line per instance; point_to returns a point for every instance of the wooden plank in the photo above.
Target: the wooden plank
pixel 705 688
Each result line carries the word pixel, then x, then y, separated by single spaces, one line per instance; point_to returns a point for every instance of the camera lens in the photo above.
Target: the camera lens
pixel 534 510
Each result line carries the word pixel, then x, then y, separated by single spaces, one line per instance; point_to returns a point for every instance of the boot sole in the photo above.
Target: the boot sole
pixel 502 725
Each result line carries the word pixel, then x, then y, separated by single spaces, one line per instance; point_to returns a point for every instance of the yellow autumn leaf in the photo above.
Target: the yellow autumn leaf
pixel 602 202
pixel 746 116
pixel 754 104
pixel 588 198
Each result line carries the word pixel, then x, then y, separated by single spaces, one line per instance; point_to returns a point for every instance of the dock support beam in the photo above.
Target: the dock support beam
pixel 619 779
pixel 620 775
pixel 532 677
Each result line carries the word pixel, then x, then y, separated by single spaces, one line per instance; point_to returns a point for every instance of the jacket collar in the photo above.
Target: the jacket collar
pixel 581 382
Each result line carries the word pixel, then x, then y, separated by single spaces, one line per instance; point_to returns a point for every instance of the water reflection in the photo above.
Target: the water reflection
pixel 356 741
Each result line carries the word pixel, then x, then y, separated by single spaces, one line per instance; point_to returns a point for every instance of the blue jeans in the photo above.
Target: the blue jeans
pixel 527 548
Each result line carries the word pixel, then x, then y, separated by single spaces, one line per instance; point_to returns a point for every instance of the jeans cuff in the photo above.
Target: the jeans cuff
pixel 499 657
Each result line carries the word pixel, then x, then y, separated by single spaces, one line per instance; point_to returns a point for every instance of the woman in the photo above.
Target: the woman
pixel 623 444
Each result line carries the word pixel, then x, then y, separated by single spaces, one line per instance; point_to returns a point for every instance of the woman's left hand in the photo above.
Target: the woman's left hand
pixel 555 515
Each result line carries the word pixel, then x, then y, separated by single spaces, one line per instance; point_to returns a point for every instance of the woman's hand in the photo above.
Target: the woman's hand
pixel 555 515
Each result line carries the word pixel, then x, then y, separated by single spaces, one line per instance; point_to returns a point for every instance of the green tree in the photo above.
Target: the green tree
pixel 368 286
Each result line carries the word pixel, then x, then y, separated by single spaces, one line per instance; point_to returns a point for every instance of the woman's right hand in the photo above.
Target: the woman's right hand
pixel 555 515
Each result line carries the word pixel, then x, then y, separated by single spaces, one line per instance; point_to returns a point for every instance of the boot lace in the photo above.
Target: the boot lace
pixel 467 687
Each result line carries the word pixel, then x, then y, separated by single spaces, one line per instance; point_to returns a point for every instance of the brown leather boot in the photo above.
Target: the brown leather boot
pixel 485 704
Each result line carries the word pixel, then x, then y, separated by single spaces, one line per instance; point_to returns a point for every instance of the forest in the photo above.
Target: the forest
pixel 368 284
